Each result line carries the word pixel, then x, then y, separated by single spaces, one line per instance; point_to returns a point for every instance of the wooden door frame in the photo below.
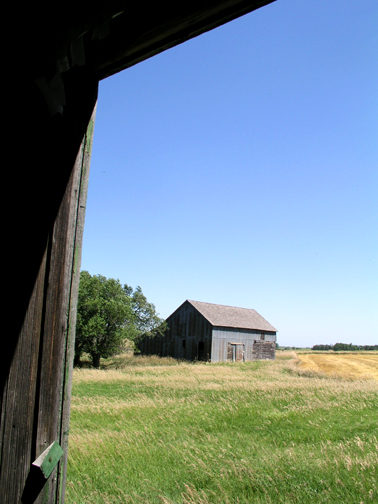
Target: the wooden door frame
pixel 53 69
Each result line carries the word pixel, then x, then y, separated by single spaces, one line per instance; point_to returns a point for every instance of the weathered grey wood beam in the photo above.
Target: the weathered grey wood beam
pixel 145 29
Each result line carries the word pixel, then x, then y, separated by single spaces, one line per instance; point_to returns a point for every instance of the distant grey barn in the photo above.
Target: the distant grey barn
pixel 212 332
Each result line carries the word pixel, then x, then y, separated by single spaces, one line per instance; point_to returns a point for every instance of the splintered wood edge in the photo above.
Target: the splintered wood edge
pixel 48 459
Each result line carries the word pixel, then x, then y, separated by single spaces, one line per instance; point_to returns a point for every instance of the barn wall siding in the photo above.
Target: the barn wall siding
pixel 221 336
pixel 188 336
pixel 263 350
pixel 35 405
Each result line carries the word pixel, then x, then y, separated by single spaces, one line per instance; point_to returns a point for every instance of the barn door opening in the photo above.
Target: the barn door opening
pixel 235 352
pixel 201 351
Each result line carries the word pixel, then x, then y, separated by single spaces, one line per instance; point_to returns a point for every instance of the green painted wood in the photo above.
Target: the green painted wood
pixel 49 459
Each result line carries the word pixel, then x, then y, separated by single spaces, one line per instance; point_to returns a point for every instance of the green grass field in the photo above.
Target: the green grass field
pixel 150 430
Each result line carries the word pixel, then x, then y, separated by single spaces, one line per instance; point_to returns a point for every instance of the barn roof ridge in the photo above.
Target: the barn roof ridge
pixel 232 316
pixel 218 304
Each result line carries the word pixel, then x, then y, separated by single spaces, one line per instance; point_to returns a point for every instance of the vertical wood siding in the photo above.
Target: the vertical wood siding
pixel 35 402
pixel 188 336
pixel 221 336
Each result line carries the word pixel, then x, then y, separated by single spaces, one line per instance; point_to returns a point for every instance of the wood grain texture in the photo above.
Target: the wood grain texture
pixel 79 201
pixel 19 400
pixel 59 330
pixel 263 350
pixel 35 405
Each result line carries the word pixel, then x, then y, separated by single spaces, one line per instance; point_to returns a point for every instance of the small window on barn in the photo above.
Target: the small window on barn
pixel 183 343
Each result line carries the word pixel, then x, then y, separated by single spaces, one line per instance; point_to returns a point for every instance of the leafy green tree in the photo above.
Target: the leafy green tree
pixel 104 317
pixel 146 318
pixel 108 314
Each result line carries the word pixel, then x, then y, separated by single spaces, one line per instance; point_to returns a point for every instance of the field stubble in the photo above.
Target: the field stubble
pixel 344 365
pixel 168 432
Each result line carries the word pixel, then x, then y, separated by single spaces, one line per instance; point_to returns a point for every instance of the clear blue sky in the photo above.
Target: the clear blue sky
pixel 240 168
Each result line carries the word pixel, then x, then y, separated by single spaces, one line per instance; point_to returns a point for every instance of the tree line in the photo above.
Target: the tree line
pixel 345 347
pixel 108 314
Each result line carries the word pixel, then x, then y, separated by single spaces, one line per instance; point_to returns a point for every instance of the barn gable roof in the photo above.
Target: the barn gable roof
pixel 232 316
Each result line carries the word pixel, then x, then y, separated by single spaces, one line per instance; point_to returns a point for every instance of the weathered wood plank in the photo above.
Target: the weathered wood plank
pixel 60 317
pixel 35 401
pixel 82 169
pixel 19 397
pixel 138 33
pixel 263 350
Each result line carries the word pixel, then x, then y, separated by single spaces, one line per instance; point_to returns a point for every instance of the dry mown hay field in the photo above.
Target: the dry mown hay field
pixel 345 365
